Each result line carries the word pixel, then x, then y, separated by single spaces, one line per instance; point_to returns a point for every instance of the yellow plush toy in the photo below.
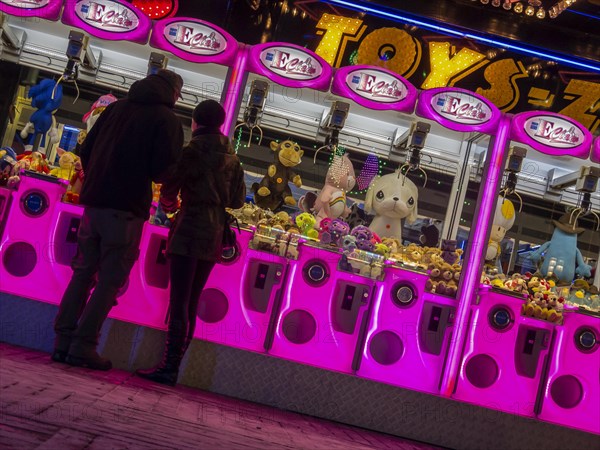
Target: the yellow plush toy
pixel 66 165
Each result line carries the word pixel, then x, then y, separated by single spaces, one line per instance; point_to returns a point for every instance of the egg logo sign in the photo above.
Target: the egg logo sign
pixel 553 132
pixel 377 86
pixel 29 4
pixel 461 108
pixel 291 63
pixel 107 15
pixel 195 38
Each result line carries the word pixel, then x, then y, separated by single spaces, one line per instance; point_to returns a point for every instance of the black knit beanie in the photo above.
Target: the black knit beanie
pixel 209 113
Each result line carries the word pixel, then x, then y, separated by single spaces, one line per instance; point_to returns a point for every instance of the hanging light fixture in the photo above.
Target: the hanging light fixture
pixel 538 8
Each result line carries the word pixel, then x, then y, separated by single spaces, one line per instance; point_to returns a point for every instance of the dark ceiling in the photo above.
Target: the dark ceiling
pixel 574 32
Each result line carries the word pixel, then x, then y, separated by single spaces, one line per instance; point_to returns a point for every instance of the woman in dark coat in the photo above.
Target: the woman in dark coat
pixel 210 178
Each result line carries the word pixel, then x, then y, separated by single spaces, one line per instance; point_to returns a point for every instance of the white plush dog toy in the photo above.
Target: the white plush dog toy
pixel 392 197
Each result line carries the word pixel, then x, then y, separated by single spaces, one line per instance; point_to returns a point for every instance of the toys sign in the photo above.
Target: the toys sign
pixel 45 9
pixel 552 133
pixel 290 65
pixel 108 19
pixel 375 88
pixel 458 109
pixel 194 40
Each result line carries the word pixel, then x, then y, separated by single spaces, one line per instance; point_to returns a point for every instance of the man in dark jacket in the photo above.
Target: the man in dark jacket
pixel 210 178
pixel 134 142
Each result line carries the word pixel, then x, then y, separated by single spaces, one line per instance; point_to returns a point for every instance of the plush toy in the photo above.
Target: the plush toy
pixel 504 219
pixel 34 161
pixel 96 109
pixel 382 249
pixel 336 230
pixel 450 253
pixel 76 183
pixel 348 244
pixel 66 165
pixel 340 179
pixel 8 161
pixel 392 197
pixel 357 216
pixel 364 238
pixel 92 116
pixel 46 97
pixel 430 235
pixel 306 223
pixel 273 190
pixel 560 256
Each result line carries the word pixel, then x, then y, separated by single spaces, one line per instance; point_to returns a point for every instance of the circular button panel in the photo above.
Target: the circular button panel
pixel 230 255
pixel 403 295
pixel 500 318
pixel 315 273
pixel 586 340
pixel 34 203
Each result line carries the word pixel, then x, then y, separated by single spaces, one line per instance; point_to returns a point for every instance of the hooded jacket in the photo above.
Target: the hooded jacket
pixel 134 142
pixel 210 178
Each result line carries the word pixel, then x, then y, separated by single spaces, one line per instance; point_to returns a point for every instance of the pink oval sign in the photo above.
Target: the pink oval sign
pixel 195 38
pixel 376 85
pixel 108 19
pixel 43 9
pixel 291 63
pixel 107 15
pixel 551 133
pixel 26 4
pixel 461 108
pixel 554 131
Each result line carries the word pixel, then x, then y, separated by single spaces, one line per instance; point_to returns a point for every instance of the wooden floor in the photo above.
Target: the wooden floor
pixel 46 405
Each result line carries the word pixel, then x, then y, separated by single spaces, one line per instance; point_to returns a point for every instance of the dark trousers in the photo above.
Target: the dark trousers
pixel 107 247
pixel 188 277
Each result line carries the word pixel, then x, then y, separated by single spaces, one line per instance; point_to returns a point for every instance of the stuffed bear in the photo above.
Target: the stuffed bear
pixel 273 191
pixel 46 97
pixel 450 253
pixel 561 257
pixel 430 235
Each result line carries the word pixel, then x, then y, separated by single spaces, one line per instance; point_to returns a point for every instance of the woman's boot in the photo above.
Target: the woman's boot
pixel 168 370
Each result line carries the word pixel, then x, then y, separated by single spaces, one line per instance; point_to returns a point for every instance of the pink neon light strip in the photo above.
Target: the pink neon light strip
pixel 596 151
pixel 235 91
pixel 472 267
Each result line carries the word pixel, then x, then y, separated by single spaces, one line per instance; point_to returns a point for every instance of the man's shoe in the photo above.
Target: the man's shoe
pixel 59 356
pixel 94 361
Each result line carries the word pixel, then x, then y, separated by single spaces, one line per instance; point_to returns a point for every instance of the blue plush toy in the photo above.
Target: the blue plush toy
pixel 46 96
pixel 561 257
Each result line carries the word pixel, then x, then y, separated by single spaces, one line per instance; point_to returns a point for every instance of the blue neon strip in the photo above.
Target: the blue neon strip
pixel 498 42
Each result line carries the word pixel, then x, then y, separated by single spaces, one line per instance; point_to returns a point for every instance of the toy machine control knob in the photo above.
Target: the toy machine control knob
pixel 586 340
pixel 403 295
pixel 35 203
pixel 230 255
pixel 315 273
pixel 500 318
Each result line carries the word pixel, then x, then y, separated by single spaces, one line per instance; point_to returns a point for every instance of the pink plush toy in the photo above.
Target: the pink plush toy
pixel 331 201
